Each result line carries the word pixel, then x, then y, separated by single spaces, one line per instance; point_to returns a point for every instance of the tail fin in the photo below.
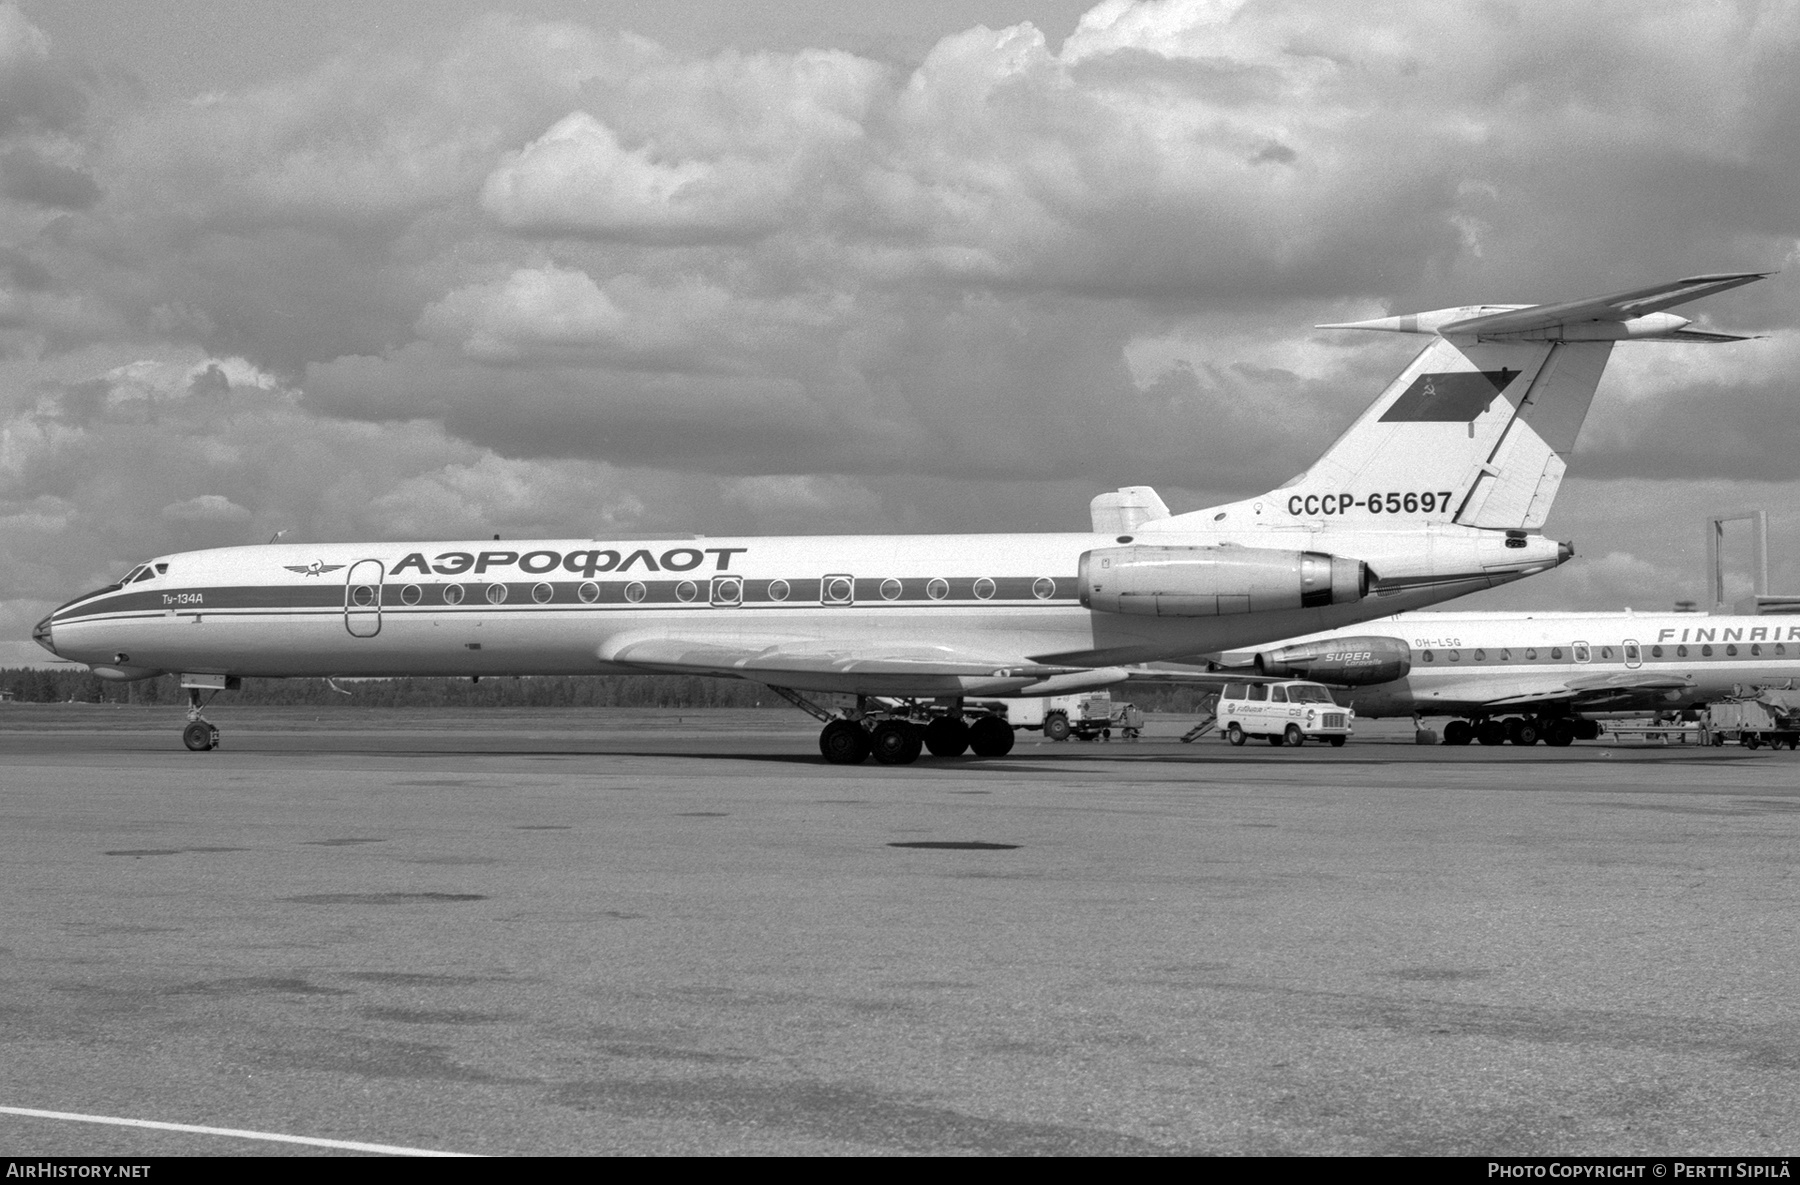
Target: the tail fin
pixel 1476 431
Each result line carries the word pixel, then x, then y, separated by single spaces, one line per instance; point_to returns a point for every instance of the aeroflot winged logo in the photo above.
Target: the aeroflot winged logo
pixel 316 568
pixel 1456 397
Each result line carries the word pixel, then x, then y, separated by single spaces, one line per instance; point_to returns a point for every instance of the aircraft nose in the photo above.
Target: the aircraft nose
pixel 40 633
pixel 1565 551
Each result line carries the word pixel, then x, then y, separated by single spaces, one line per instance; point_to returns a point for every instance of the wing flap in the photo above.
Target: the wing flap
pixel 776 655
pixel 1586 687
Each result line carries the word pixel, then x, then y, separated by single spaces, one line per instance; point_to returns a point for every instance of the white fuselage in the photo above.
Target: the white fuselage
pixel 573 606
pixel 1470 663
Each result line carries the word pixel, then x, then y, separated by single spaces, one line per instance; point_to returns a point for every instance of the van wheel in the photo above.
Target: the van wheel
pixel 1056 727
pixel 1337 742
pixel 1293 737
pixel 1234 734
pixel 1274 738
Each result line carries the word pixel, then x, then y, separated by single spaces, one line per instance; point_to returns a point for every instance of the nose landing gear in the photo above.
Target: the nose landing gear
pixel 200 734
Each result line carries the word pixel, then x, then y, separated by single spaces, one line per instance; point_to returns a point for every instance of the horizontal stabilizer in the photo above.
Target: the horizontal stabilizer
pixel 1634 315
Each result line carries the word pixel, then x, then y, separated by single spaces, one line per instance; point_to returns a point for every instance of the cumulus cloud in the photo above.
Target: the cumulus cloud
pixel 576 177
pixel 207 508
pixel 27 176
pixel 38 92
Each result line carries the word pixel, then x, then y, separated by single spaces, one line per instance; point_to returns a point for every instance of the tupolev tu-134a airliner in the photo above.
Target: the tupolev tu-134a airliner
pixel 1436 490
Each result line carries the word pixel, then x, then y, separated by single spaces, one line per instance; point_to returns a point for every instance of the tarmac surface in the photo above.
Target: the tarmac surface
pixel 681 932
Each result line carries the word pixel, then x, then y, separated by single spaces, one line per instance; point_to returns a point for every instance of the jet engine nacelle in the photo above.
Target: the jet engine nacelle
pixel 1345 662
pixel 1216 581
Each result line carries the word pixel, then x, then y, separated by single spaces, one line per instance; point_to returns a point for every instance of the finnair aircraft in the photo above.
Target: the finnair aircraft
pixel 1435 491
pixel 1526 677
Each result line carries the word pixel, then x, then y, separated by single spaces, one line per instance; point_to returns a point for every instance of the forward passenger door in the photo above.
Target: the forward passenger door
pixel 362 598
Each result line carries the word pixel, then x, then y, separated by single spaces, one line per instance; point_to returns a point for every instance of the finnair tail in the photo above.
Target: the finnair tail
pixel 1477 429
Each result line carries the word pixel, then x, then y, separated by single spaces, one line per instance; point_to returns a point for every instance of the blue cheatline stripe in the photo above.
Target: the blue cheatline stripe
pixel 513 594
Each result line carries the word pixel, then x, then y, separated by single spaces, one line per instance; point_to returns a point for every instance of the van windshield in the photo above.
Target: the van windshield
pixel 1309 693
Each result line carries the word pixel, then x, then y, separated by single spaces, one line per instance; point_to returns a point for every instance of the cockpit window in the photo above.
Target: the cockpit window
pixel 162 569
pixel 147 574
pixel 134 574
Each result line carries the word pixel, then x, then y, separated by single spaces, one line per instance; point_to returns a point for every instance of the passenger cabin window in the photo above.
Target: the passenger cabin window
pixel 1582 653
pixel 1480 656
pixel 1706 652
pixel 1456 656
pixel 1258 693
pixel 1531 654
pixel 1556 653
pixel 1681 652
pixel 1605 652
pixel 1428 656
pixel 1278 695
pixel 1632 653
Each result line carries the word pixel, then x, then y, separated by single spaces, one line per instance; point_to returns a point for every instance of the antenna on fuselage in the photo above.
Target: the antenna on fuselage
pixel 276 537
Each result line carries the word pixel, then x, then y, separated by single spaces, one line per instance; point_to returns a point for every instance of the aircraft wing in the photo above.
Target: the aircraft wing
pixel 772 656
pixel 1620 306
pixel 1210 675
pixel 1588 688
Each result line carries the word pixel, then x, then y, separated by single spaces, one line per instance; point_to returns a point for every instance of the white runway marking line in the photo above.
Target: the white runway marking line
pixel 274 1137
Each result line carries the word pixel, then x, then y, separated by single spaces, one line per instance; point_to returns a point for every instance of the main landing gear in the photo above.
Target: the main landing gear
pixel 897 733
pixel 1556 731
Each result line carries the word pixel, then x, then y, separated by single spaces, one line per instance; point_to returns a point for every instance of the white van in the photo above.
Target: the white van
pixel 1286 713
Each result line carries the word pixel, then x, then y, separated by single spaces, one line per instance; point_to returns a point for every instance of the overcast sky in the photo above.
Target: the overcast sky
pixel 387 270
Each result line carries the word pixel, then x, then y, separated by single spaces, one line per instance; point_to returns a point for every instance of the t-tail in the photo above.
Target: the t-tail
pixel 1477 430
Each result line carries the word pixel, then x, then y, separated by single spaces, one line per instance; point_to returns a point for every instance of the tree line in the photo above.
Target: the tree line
pixel 52 686
pixel 59 686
